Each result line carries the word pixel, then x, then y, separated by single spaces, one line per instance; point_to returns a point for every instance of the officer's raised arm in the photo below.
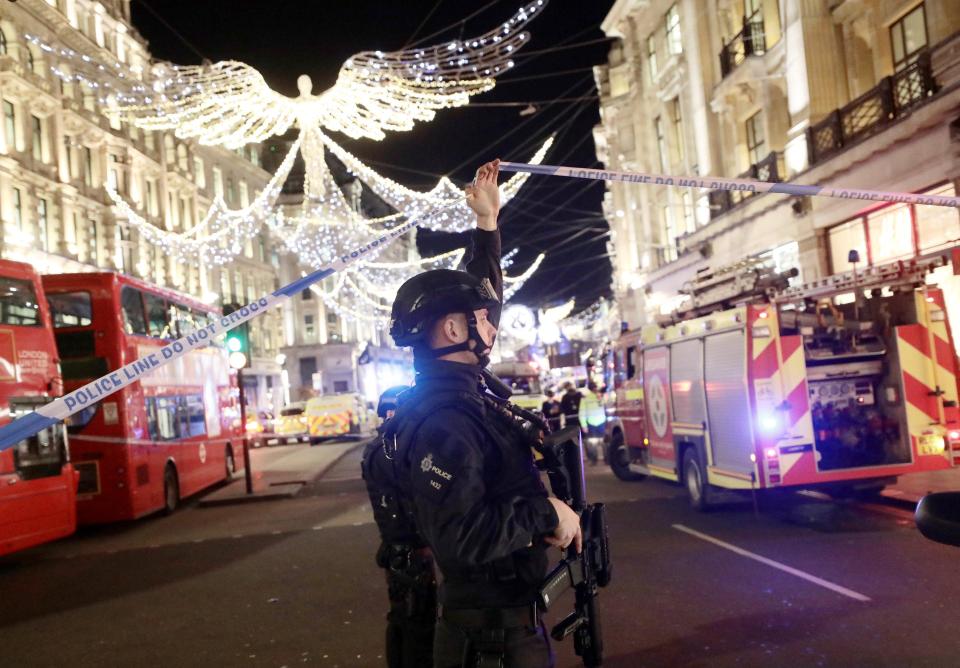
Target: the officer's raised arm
pixel 483 196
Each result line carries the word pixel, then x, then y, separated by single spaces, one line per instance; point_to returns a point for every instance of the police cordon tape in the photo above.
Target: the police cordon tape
pixel 65 406
pixel 721 183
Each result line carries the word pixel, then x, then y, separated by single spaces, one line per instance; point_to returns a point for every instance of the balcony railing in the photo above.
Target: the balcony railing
pixel 769 169
pixel 872 111
pixel 748 42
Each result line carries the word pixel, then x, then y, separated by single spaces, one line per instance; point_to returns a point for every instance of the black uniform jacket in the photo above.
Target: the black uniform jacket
pixel 478 498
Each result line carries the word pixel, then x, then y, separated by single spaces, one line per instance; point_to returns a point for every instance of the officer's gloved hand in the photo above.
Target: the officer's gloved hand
pixel 568 529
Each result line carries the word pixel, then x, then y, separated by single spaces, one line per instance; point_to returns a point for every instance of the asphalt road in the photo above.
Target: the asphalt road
pixel 806 582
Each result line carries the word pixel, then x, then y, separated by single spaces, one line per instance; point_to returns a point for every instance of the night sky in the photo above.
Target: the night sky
pixel 286 38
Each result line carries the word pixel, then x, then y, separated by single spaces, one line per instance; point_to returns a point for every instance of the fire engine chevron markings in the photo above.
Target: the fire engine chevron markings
pixel 65 406
pixel 803 575
pixel 722 183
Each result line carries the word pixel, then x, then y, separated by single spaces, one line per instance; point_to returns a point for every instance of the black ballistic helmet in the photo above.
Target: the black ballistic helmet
pixel 427 296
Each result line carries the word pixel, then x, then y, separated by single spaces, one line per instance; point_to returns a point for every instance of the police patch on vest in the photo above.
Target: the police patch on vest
pixel 434 478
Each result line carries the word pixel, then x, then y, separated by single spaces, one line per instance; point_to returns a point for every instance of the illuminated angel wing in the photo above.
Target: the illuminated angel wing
pixel 379 91
pixel 229 103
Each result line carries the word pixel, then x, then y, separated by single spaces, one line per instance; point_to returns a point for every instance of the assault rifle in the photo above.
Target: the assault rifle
pixel 562 459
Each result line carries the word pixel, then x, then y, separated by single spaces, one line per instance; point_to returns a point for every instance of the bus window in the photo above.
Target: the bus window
pixel 70 309
pixel 158 322
pixel 185 320
pixel 132 304
pixel 41 455
pixel 201 319
pixel 18 303
pixel 196 420
pixel 162 418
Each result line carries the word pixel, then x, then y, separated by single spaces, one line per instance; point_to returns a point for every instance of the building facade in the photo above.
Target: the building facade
pixel 58 150
pixel 856 93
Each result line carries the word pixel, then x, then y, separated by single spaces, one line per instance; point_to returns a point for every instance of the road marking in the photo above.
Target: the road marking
pixel 774 564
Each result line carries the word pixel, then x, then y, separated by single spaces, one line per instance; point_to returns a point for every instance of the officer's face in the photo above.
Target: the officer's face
pixel 486 329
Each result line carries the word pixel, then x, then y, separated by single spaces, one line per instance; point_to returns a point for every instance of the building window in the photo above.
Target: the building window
pixel 218 182
pixel 182 158
pixel 231 191
pixel 309 329
pixel 661 142
pixel 689 213
pixel 652 56
pixel 10 124
pixel 894 232
pixel 672 24
pixel 3 43
pixel 31 61
pixel 676 119
pixel 42 224
pixel 153 203
pixel 94 234
pixel 87 167
pixel 908 37
pixel 198 175
pixel 113 172
pixel 37 127
pixel 331 318
pixel 756 142
pixel 668 235
pixel 306 294
pixel 308 367
pixel 72 232
pixel 18 208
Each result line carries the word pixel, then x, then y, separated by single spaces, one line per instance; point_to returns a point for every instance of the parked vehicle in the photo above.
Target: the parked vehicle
pixel 37 482
pixel 524 380
pixel 291 426
pixel 756 385
pixel 169 435
pixel 260 428
pixel 338 415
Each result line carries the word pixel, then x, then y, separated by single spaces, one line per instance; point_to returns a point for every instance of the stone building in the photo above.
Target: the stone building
pixel 57 150
pixel 858 93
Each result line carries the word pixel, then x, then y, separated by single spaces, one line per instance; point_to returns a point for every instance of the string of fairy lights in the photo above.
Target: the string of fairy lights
pixel 229 104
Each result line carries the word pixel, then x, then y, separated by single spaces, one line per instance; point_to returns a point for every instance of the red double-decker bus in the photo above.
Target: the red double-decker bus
pixel 165 437
pixel 37 482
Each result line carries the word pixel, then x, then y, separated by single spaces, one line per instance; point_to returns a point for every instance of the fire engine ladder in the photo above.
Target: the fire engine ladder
pixel 903 273
pixel 750 279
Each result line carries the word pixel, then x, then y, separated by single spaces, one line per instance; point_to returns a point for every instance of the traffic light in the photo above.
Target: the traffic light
pixel 238 341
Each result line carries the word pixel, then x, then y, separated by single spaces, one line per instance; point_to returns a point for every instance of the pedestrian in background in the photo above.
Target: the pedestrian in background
pixel 592 419
pixel 570 405
pixel 403 554
pixel 551 410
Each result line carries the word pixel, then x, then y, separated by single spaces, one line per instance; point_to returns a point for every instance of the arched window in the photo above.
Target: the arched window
pixel 3 43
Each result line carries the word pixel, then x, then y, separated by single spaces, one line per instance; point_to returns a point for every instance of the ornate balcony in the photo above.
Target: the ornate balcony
pixel 748 42
pixel 872 111
pixel 770 169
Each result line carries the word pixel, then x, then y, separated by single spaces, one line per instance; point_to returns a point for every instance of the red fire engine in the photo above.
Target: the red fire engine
pixel 849 382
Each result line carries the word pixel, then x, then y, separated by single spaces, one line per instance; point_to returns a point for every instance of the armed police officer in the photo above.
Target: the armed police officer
pixel 403 554
pixel 476 494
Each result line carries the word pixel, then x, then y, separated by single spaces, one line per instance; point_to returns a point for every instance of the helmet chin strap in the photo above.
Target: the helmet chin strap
pixel 480 347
